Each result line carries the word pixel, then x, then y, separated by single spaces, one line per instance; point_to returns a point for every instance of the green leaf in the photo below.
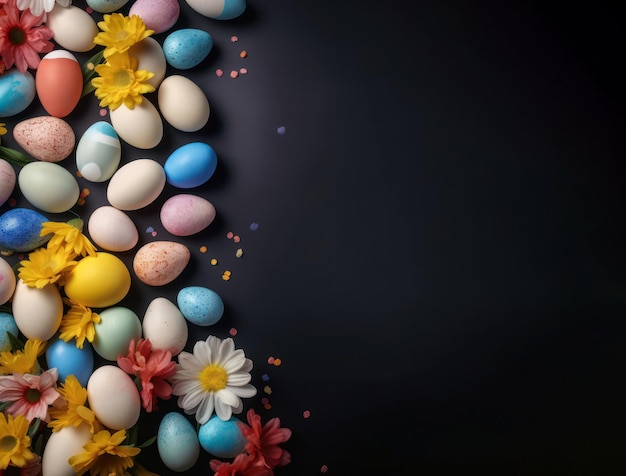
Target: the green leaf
pixel 33 428
pixel 89 72
pixel 16 344
pixel 148 442
pixel 132 435
pixel 4 406
pixel 14 157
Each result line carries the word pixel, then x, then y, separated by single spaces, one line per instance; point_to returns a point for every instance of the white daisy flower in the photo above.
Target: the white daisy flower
pixel 214 377
pixel 37 7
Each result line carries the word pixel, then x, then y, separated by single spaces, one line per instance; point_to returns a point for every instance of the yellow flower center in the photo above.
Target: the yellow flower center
pixel 213 378
pixel 122 79
pixel 7 443
pixel 121 35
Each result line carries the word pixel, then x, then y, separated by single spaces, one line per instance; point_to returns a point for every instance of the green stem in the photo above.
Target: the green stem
pixel 14 157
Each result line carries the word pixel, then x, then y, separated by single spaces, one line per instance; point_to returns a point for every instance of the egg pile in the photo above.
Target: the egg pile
pixel 102 281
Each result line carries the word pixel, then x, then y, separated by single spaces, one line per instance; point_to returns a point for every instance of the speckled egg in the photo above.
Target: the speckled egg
pixel 218 9
pixel 48 186
pixel 177 442
pixel 70 360
pixel 117 327
pixel 7 324
pixel 46 138
pixel 20 229
pixel 136 184
pixel 183 104
pixel 8 178
pixel 187 48
pixel 158 15
pixel 17 91
pixel 45 303
pixel 201 306
pixel 185 214
pixel 165 326
pixel 222 438
pixel 113 397
pixel 7 281
pixel 106 6
pixel 160 262
pixel 98 152
pixel 112 229
pixel 191 165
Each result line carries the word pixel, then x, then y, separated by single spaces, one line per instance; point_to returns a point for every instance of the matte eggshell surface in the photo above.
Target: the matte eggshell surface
pixel 45 303
pixel 74 29
pixel 185 214
pixel 48 186
pixel 140 127
pixel 136 184
pixel 218 9
pixel 113 397
pixel 183 104
pixel 165 326
pixel 158 15
pixel 7 180
pixel 150 57
pixel 160 262
pixel 17 91
pixel 46 138
pixel 177 442
pixel 7 281
pixel 112 229
pixel 59 82
pixel 62 445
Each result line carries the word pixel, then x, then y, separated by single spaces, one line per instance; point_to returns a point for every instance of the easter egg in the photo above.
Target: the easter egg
pixel 46 138
pixel 113 397
pixel 136 184
pixel 190 165
pixel 158 15
pixel 61 446
pixel 45 303
pixel 201 306
pixel 17 91
pixel 7 281
pixel 160 262
pixel 218 9
pixel 70 360
pixel 140 126
pixel 177 442
pixel 20 230
pixel 48 186
pixel 117 327
pixel 7 325
pixel 112 229
pixel 183 104
pixel 185 214
pixel 222 438
pixel 186 48
pixel 73 28
pixel 98 152
pixel 106 6
pixel 7 180
pixel 98 281
pixel 165 326
pixel 59 82
pixel 150 57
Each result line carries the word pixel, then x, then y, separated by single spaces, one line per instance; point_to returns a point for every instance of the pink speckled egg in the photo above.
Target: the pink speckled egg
pixel 185 214
pixel 160 262
pixel 7 180
pixel 158 15
pixel 46 138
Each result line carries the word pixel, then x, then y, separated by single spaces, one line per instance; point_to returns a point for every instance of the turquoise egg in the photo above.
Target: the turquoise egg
pixel 98 152
pixel 70 360
pixel 7 324
pixel 117 327
pixel 177 442
pixel 106 6
pixel 17 91
pixel 20 228
pixel 219 9
pixel 200 306
pixel 222 438
pixel 190 165
pixel 186 48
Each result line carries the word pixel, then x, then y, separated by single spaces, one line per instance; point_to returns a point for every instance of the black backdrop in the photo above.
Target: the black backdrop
pixel 440 252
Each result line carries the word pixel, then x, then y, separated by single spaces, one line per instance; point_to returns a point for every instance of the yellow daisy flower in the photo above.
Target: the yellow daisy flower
pixel 78 323
pixel 22 361
pixel 120 82
pixel 120 32
pixel 104 455
pixel 45 266
pixel 3 129
pixel 14 441
pixel 73 412
pixel 68 238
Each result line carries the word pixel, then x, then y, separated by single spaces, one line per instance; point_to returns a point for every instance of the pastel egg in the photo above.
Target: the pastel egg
pixel 222 438
pixel 187 48
pixel 46 138
pixel 112 230
pixel 48 186
pixel 158 15
pixel 117 327
pixel 183 104
pixel 191 165
pixel 98 281
pixel 136 184
pixel 7 281
pixel 150 57
pixel 17 91
pixel 106 6
pixel 140 126
pixel 185 214
pixel 98 152
pixel 160 262
pixel 165 326
pixel 201 306
pixel 73 28
pixel 45 303
pixel 59 82
pixel 7 180
pixel 70 360
pixel 61 446
pixel 7 325
pixel 177 442
pixel 113 397
pixel 218 9
pixel 20 230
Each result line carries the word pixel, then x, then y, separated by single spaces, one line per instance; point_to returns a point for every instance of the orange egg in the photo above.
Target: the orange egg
pixel 59 82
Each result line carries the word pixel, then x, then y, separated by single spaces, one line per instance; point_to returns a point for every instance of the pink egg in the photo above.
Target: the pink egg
pixel 59 82
pixel 158 15
pixel 185 214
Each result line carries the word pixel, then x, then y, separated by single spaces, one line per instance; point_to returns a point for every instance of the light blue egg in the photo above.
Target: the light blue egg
pixel 70 360
pixel 20 228
pixel 222 438
pixel 186 48
pixel 177 442
pixel 17 91
pixel 7 324
pixel 106 6
pixel 232 9
pixel 200 306
pixel 190 165
pixel 98 152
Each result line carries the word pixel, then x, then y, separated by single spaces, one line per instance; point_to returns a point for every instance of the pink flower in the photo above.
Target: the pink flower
pixel 31 395
pixel 242 465
pixel 22 38
pixel 263 441
pixel 152 368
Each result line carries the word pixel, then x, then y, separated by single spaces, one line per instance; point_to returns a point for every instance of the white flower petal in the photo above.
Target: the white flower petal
pixel 228 397
pixel 205 410
pixel 224 412
pixel 202 352
pixel 245 391
pixel 247 366
pixel 184 387
pixel 234 362
pixel 225 350
pixel 238 408
pixel 193 398
pixel 239 378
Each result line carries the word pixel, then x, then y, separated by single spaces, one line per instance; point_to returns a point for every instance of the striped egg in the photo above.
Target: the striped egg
pixel 98 152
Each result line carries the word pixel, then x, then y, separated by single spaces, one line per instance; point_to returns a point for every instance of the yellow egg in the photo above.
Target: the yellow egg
pixel 98 281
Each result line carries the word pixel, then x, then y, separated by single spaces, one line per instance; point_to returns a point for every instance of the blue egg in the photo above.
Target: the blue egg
pixel 200 306
pixel 232 9
pixel 20 228
pixel 186 48
pixel 190 165
pixel 177 442
pixel 222 438
pixel 7 324
pixel 70 360
pixel 17 91
pixel 98 152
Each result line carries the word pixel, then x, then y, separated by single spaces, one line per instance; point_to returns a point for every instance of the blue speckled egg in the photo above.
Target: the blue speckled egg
pixel 222 438
pixel 218 9
pixel 7 324
pixel 20 228
pixel 200 306
pixel 17 91
pixel 98 152
pixel 70 360
pixel 190 165
pixel 177 442
pixel 186 48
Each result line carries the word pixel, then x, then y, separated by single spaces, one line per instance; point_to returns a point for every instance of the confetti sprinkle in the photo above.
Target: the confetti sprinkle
pixel 265 377
pixel 78 174
pixel 264 400
pixel 254 226
pixel 277 362
pixel 81 201
pixel 154 233
pixel 89 10
pixel 149 229
pixel 219 73
pixel 236 239
pixel 324 468
pixel 243 54
pixel 306 414
pixel 232 331
pixel 234 38
pixel 267 389
pixel 103 112
pixel 281 130
pixel 234 73
pixel 243 70
pixel 12 202
pixel 85 192
pixel 90 66
pixel 226 276
pixel 203 249
pixel 270 360
pixel 267 406
pixel 213 262
pixel 229 235
pixel 239 253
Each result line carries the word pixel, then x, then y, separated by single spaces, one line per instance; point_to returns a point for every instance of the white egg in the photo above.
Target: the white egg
pixel 183 104
pixel 112 229
pixel 140 127
pixel 61 446
pixel 48 186
pixel 113 397
pixel 136 185
pixel 7 281
pixel 150 57
pixel 165 326
pixel 74 29
pixel 37 312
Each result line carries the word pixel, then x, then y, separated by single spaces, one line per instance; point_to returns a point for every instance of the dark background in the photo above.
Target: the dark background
pixel 440 253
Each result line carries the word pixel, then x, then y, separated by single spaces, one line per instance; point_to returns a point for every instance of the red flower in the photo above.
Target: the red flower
pixel 263 441
pixel 242 465
pixel 152 368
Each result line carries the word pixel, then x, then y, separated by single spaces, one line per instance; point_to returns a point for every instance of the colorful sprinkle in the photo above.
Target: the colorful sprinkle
pixel 306 414
pixel 12 202
pixel 81 201
pixel 254 226
pixel 219 73
pixel 324 468
pixel 264 400
pixel 239 253
pixel 89 10
pixel 267 406
pixel 213 261
pixel 267 389
pixel 85 192
pixel 229 235
pixel 90 66
pixel 265 377
pixel 234 73
pixel 243 70
pixel 103 112
pixel 226 276
pixel 277 362
pixel 281 130
pixel 232 331
pixel 78 174
pixel 243 54
pixel 236 239
pixel 154 233
pixel 270 360
pixel 149 229
pixel 234 38
pixel 203 249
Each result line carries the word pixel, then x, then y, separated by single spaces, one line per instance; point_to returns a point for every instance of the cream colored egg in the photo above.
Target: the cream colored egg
pixel 74 29
pixel 113 397
pixel 112 229
pixel 183 104
pixel 61 446
pixel 140 127
pixel 150 57
pixel 165 326
pixel 48 186
pixel 7 281
pixel 136 185
pixel 37 312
